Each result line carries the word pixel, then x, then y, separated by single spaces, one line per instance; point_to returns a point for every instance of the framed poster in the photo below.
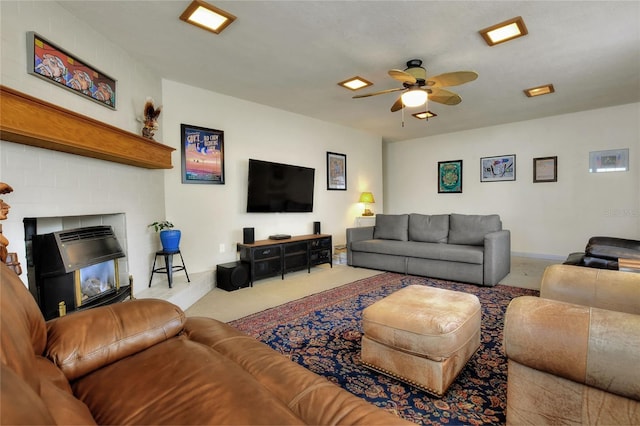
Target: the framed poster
pixel 497 169
pixel 613 160
pixel 545 169
pixel 336 171
pixel 450 176
pixel 202 155
pixel 49 62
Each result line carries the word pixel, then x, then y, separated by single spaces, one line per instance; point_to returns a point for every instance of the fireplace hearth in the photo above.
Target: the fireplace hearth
pixel 77 269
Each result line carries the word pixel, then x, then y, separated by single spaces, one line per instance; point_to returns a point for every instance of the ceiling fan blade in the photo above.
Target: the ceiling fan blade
pixel 382 92
pixel 397 105
pixel 443 96
pixel 452 78
pixel 402 76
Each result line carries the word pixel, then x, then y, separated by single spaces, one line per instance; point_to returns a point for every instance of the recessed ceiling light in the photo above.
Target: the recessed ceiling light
pixel 424 115
pixel 207 17
pixel 540 90
pixel 504 31
pixel 355 83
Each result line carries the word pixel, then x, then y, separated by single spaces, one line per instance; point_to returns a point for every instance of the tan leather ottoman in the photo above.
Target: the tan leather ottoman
pixel 421 335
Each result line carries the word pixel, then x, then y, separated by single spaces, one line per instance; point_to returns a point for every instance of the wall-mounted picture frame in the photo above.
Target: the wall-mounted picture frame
pixel 202 155
pixel 545 169
pixel 336 171
pixel 47 61
pixel 450 177
pixel 497 169
pixel 612 160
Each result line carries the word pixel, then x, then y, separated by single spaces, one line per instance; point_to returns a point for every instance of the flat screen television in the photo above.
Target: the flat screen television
pixel 276 187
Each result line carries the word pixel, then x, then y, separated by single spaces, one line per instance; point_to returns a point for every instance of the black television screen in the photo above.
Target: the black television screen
pixel 276 187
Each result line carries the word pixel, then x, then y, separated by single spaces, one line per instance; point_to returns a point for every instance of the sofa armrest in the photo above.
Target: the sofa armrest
pixel 497 256
pixel 87 340
pixel 595 347
pixel 357 234
pixel 598 288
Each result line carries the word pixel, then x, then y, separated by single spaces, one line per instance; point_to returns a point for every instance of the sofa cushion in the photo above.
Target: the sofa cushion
pixel 429 228
pixel 392 227
pixel 414 249
pixel 471 229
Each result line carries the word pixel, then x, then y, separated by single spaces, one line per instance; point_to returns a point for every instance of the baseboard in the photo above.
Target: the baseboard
pixel 539 256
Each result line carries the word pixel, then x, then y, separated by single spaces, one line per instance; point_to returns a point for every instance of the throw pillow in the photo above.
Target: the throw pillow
pixel 471 229
pixel 391 227
pixel 429 228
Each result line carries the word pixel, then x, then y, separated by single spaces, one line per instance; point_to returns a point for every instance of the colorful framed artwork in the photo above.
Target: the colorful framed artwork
pixel 336 171
pixel 49 62
pixel 497 169
pixel 545 169
pixel 612 160
pixel 202 155
pixel 450 176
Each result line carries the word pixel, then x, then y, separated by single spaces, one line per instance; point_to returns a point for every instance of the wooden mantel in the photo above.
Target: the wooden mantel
pixel 30 121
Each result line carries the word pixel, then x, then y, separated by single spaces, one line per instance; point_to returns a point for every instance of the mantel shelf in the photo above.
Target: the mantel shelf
pixel 30 121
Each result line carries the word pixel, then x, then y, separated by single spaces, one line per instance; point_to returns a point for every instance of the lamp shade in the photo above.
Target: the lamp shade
pixel 414 97
pixel 366 197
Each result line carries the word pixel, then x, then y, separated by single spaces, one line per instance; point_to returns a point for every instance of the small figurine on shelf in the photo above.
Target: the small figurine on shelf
pixel 150 119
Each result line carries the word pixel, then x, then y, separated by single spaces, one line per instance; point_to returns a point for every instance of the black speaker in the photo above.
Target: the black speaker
pixel 232 276
pixel 316 227
pixel 248 236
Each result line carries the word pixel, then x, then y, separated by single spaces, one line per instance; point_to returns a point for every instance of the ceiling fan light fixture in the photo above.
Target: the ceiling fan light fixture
pixel 504 31
pixel 207 16
pixel 414 98
pixel 355 83
pixel 424 115
pixel 539 90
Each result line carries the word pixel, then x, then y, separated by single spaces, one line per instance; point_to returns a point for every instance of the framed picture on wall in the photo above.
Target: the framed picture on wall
pixel 336 171
pixel 47 61
pixel 612 160
pixel 202 155
pixel 498 168
pixel 545 169
pixel 450 176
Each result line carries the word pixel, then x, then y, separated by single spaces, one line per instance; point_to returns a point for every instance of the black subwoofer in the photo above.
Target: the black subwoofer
pixel 232 276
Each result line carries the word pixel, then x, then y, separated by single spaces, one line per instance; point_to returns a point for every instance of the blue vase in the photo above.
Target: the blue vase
pixel 170 239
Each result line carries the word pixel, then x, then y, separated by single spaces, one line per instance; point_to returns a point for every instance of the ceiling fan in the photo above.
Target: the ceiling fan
pixel 417 86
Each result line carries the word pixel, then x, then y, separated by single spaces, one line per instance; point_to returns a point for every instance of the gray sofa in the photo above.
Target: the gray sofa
pixel 457 247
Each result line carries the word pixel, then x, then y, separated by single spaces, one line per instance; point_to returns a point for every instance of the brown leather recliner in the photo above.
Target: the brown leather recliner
pixel 144 362
pixel 604 252
pixel 574 352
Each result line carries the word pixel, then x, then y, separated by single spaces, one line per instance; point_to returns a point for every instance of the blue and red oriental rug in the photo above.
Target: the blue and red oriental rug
pixel 322 332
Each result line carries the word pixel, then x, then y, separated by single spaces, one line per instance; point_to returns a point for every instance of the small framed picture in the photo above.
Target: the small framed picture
pixel 336 171
pixel 450 176
pixel 545 169
pixel 202 155
pixel 613 160
pixel 497 169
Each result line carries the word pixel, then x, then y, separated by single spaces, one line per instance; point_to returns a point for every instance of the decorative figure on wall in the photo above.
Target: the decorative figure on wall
pixel 11 259
pixel 150 119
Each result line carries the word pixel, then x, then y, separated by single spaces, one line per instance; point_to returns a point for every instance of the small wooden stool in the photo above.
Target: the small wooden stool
pixel 421 335
pixel 168 267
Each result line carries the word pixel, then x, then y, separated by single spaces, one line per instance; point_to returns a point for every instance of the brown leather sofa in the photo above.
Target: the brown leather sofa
pixel 574 352
pixel 144 362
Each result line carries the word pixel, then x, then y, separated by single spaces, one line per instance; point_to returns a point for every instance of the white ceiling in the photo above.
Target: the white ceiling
pixel 291 55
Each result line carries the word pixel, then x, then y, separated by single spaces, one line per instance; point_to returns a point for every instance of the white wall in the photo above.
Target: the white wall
pixel 211 215
pixel 545 219
pixel 49 183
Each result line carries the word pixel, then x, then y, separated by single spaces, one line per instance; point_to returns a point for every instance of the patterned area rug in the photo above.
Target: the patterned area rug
pixel 322 332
